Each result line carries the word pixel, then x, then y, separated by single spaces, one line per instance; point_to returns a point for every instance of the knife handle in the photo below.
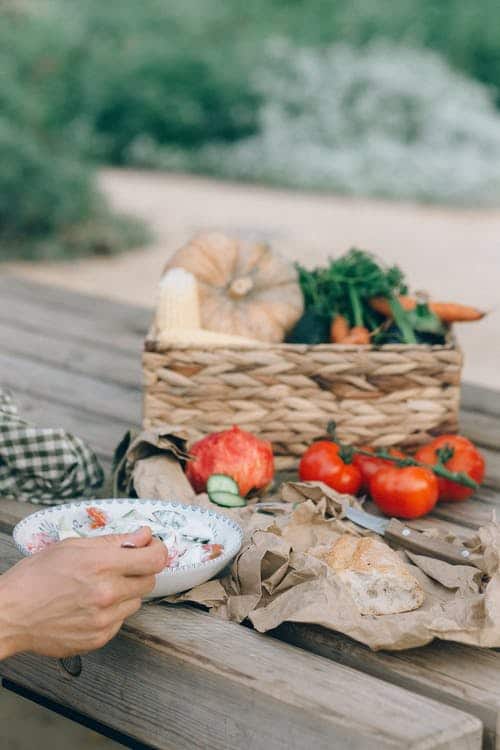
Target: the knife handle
pixel 421 544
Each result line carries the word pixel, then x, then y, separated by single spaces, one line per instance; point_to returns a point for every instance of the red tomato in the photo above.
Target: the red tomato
pixel 97 517
pixel 321 463
pixel 407 492
pixel 369 465
pixel 465 458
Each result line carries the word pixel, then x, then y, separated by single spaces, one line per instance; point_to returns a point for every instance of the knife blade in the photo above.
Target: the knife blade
pixel 415 541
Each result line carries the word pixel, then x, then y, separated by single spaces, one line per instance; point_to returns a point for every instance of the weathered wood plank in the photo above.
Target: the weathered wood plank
pixel 492 458
pixel 96 356
pixel 472 514
pixel 96 360
pixel 114 366
pixel 73 316
pixel 461 676
pixel 461 518
pixel 11 512
pixel 170 701
pixel 478 398
pixel 53 385
pixel 176 677
pixel 133 318
pixel 482 429
pixel 137 319
pixel 100 397
pixel 115 331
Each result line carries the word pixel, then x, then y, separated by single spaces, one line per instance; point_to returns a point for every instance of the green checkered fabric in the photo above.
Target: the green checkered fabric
pixel 43 465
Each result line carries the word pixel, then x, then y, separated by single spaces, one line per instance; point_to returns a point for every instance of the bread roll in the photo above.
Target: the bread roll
pixel 378 581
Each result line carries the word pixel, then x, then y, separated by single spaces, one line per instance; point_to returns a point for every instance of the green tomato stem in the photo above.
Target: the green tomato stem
pixel 459 477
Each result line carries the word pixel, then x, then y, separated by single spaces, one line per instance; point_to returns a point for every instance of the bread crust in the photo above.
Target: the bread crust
pixel 379 582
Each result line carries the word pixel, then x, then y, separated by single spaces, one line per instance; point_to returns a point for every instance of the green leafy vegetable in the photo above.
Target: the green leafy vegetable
pixel 312 328
pixel 346 285
pixel 424 320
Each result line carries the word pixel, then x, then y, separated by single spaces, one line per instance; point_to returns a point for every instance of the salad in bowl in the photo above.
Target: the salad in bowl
pixel 200 543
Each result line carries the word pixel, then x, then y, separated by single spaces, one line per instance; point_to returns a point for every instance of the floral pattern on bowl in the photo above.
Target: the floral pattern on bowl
pixel 166 519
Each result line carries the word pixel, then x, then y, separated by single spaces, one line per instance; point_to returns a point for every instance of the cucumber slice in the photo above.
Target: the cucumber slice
pixel 222 483
pixel 227 499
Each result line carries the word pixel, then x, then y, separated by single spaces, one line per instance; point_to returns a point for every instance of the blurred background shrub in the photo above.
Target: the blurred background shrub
pixel 384 121
pixel 50 205
pixel 398 99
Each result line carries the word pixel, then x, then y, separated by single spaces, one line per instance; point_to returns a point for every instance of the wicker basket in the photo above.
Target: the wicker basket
pixel 394 395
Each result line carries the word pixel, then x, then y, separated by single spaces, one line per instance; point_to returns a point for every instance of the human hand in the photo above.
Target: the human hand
pixel 73 596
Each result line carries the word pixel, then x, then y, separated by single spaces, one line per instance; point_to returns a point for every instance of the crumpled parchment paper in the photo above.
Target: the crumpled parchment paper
pixel 276 577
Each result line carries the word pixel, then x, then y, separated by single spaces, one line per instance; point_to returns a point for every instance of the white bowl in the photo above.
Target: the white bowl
pixel 171 580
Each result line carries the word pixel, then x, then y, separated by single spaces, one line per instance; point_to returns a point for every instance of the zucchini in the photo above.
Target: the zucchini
pixel 222 483
pixel 227 499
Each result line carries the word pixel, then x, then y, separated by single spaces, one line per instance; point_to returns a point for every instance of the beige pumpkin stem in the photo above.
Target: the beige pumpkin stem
pixel 240 287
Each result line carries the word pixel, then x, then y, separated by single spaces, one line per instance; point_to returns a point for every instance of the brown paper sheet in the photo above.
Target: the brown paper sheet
pixel 276 576
pixel 149 465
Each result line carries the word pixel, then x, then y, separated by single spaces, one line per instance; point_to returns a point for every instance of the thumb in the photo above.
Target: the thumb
pixel 141 537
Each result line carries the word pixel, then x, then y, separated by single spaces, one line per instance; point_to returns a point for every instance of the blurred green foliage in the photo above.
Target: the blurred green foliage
pixel 50 205
pixel 99 75
pixel 377 131
pixel 467 34
pixel 156 82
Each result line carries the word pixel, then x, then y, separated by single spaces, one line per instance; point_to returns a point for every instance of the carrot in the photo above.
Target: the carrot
pixel 339 329
pixel 382 306
pixel 452 312
pixel 97 517
pixel 358 335
pixel 448 312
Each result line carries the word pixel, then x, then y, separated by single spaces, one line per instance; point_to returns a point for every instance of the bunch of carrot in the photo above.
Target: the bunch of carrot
pixel 447 312
pixel 355 300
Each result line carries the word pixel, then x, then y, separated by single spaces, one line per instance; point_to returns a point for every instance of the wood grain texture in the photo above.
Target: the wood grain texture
pixel 459 675
pixel 174 704
pixel 171 658
pixel 461 519
pixel 11 512
pixel 88 343
pixel 73 316
pixel 478 398
pixel 52 384
pixel 473 513
pixel 482 429
pixel 177 678
pixel 58 353
pixel 96 360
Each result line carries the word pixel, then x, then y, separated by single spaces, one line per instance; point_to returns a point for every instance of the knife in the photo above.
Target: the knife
pixel 400 534
pixel 416 541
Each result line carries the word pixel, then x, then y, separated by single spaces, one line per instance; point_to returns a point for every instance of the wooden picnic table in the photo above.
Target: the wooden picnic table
pixel 175 677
